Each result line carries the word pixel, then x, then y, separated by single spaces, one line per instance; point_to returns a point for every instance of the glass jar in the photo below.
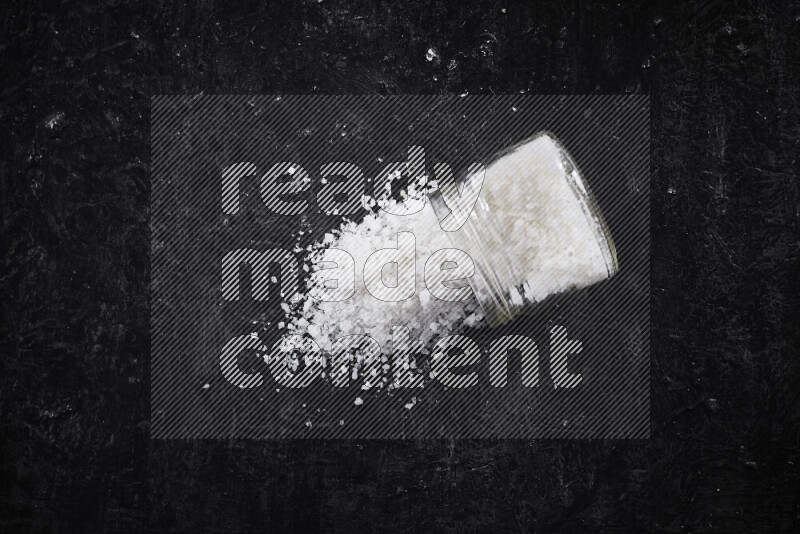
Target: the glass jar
pixel 535 228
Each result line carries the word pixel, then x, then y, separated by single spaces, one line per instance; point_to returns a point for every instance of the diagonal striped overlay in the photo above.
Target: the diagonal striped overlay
pixel 256 177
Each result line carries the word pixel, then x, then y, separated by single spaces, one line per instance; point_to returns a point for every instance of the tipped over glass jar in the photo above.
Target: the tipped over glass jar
pixel 535 229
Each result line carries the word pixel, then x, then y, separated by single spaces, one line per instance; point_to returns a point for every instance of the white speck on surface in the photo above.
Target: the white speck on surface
pixel 54 120
pixel 358 401
pixel 431 54
pixel 206 386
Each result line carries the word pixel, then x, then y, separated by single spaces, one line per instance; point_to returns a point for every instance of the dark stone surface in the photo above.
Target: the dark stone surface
pixel 74 123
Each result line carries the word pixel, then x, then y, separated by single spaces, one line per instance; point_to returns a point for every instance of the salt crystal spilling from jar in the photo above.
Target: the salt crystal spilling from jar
pixel 534 231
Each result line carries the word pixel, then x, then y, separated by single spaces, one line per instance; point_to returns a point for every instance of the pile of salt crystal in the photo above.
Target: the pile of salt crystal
pixel 425 316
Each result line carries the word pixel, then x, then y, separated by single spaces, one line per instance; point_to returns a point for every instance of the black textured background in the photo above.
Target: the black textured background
pixel 74 123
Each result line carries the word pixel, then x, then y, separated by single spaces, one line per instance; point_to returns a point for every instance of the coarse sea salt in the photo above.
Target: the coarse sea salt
pixel 425 316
